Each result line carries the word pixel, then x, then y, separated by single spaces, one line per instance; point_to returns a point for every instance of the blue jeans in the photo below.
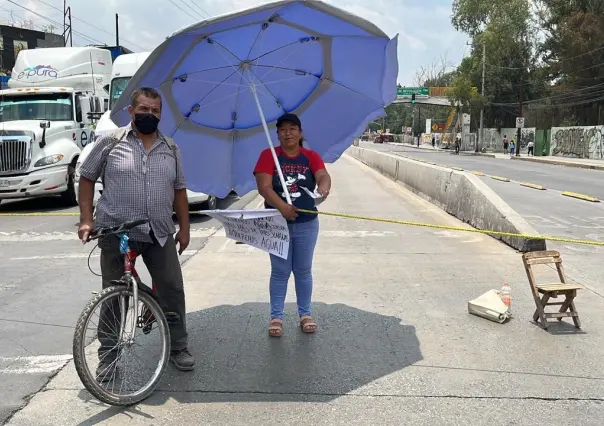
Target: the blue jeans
pixel 302 240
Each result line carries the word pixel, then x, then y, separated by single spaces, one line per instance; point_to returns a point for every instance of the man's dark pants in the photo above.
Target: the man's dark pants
pixel 164 267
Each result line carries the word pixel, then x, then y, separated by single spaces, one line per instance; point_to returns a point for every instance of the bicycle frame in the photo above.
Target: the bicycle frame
pixel 130 277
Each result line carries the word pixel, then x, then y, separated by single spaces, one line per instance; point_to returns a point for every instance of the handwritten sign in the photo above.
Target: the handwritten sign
pixel 265 229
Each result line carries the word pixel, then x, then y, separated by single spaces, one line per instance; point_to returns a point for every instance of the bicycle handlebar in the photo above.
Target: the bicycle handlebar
pixel 124 227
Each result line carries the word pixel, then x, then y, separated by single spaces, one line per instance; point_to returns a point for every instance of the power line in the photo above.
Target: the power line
pixel 92 25
pixel 185 11
pixel 57 23
pixel 200 8
pixel 556 63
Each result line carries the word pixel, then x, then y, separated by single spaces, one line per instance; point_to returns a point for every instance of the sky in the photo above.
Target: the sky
pixel 424 26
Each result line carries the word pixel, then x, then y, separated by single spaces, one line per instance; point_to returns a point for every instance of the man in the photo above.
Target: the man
pixel 142 179
pixel 506 144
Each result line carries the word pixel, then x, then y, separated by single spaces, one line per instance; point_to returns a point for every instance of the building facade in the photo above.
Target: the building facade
pixel 14 39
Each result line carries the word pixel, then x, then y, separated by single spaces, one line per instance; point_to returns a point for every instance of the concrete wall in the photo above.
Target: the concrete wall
pixel 493 138
pixel 460 194
pixel 578 142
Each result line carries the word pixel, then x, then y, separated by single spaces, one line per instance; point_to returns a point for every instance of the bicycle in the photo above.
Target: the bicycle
pixel 129 286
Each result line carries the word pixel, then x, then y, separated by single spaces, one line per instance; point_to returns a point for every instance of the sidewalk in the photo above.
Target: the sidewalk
pixel 396 344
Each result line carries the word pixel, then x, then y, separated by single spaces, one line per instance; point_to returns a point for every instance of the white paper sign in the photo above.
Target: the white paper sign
pixel 265 229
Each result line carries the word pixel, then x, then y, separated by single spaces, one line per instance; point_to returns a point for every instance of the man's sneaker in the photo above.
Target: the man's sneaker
pixel 106 372
pixel 183 360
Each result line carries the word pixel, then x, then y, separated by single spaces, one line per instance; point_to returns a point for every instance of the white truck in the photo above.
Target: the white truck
pixel 45 120
pixel 124 67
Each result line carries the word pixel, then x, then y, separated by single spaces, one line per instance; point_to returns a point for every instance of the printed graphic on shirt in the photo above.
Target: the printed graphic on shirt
pixel 298 174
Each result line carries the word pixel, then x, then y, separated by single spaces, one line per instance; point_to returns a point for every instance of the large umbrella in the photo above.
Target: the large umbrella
pixel 226 80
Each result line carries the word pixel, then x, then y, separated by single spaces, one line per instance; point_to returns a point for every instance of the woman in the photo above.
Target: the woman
pixel 303 170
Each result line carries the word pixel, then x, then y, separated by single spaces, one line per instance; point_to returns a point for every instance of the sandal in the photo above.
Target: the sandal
pixel 307 324
pixel 275 328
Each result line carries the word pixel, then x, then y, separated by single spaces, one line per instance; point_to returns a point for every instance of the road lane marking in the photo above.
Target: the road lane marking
pixel 33 364
pixel 580 196
pixel 65 256
pixel 10 237
pixel 502 179
pixel 532 185
pixel 478 173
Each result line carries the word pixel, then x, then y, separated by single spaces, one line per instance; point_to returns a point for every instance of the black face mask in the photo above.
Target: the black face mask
pixel 146 123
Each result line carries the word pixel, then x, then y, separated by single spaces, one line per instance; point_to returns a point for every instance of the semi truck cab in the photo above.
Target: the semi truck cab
pixel 44 125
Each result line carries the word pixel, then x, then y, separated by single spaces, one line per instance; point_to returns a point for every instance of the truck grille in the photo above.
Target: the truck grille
pixel 14 156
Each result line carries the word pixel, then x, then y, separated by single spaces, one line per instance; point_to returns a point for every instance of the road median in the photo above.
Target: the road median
pixel 460 194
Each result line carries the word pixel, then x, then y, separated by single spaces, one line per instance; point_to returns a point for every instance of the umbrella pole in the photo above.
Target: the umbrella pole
pixel 270 143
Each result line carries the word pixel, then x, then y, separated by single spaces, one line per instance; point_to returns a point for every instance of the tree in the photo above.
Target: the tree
pixel 505 29
pixel 439 73
pixel 573 59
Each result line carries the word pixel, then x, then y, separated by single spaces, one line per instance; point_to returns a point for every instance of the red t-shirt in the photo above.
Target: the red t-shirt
pixel 298 172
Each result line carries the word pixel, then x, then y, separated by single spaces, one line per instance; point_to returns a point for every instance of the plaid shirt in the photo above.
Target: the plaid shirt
pixel 137 184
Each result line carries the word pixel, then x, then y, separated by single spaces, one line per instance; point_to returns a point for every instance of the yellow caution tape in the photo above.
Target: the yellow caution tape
pixel 383 220
pixel 456 228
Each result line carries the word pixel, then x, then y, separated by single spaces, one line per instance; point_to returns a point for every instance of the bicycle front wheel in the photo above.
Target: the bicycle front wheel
pixel 114 348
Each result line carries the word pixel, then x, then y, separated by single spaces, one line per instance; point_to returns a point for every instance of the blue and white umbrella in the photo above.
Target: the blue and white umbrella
pixel 225 81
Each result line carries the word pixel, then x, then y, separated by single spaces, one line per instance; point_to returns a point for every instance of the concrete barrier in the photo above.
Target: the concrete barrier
pixel 460 194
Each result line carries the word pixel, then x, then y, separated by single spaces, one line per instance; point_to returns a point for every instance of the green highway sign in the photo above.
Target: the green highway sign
pixel 408 91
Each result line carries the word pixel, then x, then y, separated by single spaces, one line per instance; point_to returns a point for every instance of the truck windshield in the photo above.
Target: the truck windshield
pixel 49 106
pixel 118 85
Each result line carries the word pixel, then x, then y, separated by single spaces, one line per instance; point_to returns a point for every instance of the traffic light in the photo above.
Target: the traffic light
pixel 413 98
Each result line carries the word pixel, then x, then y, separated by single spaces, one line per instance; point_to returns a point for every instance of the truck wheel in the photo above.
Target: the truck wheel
pixel 68 198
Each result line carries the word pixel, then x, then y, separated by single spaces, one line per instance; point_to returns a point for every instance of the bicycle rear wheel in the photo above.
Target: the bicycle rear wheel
pixel 116 334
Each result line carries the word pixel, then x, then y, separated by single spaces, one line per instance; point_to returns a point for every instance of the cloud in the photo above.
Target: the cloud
pixel 424 26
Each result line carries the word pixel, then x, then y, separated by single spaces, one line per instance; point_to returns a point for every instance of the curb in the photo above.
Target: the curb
pixel 562 163
pixel 580 196
pixel 478 154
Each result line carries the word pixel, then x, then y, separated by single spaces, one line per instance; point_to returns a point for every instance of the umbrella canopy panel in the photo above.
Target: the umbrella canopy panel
pixel 335 70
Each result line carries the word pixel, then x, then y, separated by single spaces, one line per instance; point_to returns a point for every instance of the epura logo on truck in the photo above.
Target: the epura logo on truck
pixel 40 71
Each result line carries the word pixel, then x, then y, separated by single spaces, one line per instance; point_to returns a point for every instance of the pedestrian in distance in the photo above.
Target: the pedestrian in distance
pixel 512 147
pixel 531 148
pixel 506 143
pixel 142 179
pixel 303 171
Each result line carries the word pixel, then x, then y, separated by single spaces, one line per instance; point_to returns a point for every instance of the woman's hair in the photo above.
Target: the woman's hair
pixel 301 143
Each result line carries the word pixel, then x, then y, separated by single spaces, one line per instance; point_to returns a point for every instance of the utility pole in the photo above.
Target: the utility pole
pixel 117 30
pixel 519 130
pixel 484 66
pixel 67 33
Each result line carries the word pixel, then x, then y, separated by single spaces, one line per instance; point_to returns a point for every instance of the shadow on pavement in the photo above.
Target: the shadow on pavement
pixel 238 362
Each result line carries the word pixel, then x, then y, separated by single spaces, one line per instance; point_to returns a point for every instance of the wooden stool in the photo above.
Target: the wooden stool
pixel 551 290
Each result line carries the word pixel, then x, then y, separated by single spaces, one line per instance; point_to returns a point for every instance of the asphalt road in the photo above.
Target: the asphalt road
pixel 561 178
pixel 45 283
pixel 547 211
